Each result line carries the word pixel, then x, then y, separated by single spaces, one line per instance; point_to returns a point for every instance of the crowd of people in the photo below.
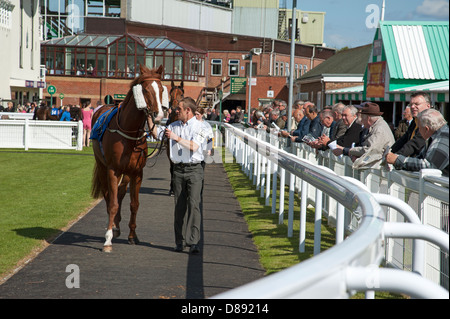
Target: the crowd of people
pixel 361 133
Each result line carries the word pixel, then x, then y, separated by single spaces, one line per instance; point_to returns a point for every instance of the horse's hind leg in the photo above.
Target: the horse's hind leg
pixel 135 185
pixel 112 207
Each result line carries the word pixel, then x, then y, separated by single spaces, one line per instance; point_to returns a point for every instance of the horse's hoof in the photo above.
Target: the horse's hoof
pixel 133 240
pixel 116 233
pixel 107 249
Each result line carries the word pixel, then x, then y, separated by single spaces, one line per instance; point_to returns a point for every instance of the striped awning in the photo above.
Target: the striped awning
pixel 441 86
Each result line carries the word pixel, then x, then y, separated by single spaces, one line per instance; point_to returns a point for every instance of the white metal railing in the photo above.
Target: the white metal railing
pixel 353 263
pixel 28 134
pixel 16 115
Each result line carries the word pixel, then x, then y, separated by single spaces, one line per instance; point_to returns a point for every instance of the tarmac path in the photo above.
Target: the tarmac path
pixel 152 269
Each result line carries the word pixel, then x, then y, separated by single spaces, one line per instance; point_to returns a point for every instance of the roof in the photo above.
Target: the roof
pixel 353 89
pixel 416 50
pixel 441 86
pixel 352 61
pixel 103 41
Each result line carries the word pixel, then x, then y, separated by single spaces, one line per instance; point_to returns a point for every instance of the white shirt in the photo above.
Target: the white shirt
pixel 207 146
pixel 192 130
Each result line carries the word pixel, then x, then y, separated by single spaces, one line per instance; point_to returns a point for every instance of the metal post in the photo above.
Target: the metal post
pixel 291 72
pixel 250 87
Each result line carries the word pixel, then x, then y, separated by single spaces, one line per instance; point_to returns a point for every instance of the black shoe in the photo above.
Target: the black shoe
pixel 179 248
pixel 194 249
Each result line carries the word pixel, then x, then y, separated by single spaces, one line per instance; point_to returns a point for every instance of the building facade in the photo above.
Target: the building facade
pixel 205 61
pixel 21 79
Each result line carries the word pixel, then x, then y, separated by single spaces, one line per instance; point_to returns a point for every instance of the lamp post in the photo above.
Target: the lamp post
pixel 250 88
pixel 249 56
pixel 292 61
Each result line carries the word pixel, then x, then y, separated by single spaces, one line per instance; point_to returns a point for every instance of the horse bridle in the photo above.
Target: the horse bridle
pixel 123 132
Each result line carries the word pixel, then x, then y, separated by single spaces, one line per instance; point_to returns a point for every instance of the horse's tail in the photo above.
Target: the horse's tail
pixel 98 188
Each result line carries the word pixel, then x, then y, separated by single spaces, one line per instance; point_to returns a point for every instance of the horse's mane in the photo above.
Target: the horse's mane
pixel 145 74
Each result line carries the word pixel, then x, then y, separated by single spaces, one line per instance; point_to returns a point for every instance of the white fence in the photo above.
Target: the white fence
pixel 27 134
pixel 16 116
pixel 355 207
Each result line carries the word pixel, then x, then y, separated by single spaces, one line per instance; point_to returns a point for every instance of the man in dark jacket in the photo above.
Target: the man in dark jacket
pixel 315 128
pixel 412 141
pixel 352 135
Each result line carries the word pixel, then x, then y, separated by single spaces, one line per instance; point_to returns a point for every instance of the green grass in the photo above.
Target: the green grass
pixel 277 251
pixel 41 192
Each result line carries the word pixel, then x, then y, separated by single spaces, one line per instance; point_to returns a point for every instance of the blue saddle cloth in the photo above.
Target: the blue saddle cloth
pixel 102 123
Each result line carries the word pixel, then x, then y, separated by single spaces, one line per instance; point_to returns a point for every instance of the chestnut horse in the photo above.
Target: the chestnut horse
pixel 176 94
pixel 122 153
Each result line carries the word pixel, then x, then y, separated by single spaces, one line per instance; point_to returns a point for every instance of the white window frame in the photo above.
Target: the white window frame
pixel 231 63
pixel 216 62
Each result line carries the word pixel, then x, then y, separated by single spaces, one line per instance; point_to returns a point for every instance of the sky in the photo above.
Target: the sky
pixel 347 24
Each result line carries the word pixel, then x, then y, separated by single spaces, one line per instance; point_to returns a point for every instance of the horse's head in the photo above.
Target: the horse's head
pixel 148 91
pixel 176 94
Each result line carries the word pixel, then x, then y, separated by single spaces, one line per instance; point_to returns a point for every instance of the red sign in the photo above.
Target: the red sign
pixel 376 74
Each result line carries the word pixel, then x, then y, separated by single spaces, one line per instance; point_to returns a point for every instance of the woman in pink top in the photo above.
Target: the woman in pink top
pixel 87 117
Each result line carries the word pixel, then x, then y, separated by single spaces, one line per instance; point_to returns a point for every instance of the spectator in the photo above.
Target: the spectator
pixel 226 116
pixel 276 119
pixel 329 130
pixel 412 141
pixel 315 128
pixel 434 154
pixel 295 106
pixel 404 123
pixel 341 128
pixel 239 115
pixel 213 116
pixel 32 108
pixel 232 116
pixel 10 107
pixel 66 115
pixel 87 113
pixel 379 136
pixel 352 134
pixel 302 127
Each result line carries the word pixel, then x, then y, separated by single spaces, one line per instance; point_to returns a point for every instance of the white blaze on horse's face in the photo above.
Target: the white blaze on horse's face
pixel 158 100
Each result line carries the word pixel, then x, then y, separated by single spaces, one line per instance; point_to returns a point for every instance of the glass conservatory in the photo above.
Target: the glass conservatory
pixel 120 56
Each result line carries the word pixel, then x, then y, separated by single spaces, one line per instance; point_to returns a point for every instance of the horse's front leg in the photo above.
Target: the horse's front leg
pixel 112 207
pixel 135 185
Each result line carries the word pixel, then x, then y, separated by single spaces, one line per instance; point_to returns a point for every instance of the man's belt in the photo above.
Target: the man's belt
pixel 183 165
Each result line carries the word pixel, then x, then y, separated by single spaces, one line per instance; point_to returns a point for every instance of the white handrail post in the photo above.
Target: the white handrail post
pixel 274 188
pixel 26 137
pixel 340 216
pixel 263 175
pixel 282 184
pixel 317 222
pixel 303 205
pixel 268 175
pixel 291 205
pixel 80 136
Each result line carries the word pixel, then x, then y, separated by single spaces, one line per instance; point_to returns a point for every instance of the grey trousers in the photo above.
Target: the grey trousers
pixel 187 187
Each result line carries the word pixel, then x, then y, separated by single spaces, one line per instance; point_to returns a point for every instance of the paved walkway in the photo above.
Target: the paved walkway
pixel 152 269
